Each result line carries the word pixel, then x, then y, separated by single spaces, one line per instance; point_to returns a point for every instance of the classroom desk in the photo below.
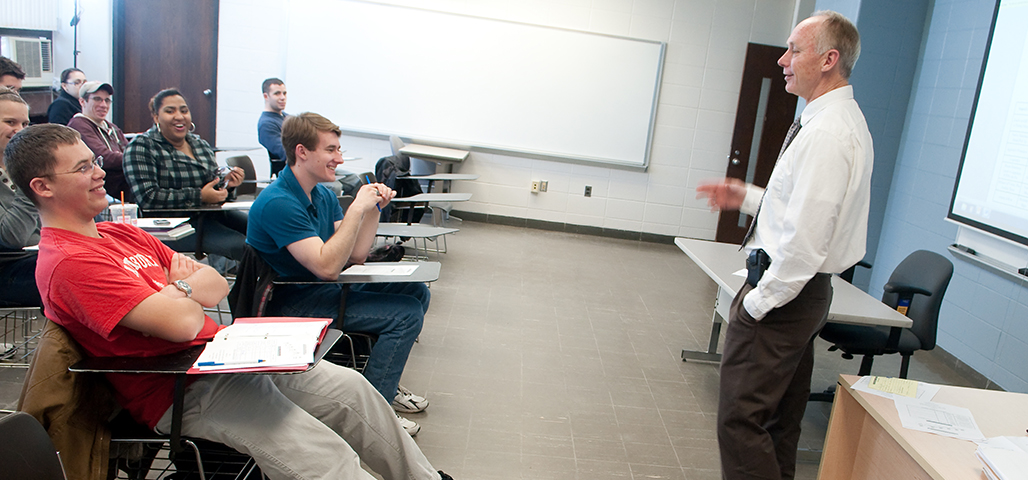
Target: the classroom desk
pixel 439 155
pixel 425 198
pixel 442 177
pixel 200 211
pixel 426 272
pixel 721 260
pixel 178 364
pixel 424 232
pixel 867 441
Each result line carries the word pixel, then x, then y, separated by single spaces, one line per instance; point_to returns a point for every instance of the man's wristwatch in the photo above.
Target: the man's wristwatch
pixel 184 287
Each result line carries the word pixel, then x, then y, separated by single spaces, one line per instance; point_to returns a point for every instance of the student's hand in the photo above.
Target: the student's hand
pixel 371 195
pixel 180 268
pixel 235 177
pixel 727 194
pixel 209 195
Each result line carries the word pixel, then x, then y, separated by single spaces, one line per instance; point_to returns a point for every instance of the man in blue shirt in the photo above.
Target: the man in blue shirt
pixel 269 126
pixel 298 228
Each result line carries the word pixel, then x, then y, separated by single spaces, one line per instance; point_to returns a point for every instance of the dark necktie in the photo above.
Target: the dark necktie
pixel 793 129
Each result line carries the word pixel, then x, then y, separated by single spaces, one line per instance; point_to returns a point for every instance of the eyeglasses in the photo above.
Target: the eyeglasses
pixel 75 82
pixel 99 99
pixel 87 168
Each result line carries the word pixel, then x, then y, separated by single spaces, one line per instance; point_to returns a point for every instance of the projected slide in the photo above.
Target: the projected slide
pixel 992 190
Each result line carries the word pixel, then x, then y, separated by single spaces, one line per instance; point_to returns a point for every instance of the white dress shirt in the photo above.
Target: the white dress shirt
pixel 814 215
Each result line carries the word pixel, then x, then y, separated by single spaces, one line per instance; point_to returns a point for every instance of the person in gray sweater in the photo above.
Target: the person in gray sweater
pixel 19 219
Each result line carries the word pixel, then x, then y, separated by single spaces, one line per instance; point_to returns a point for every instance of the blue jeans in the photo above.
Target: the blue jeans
pixel 393 311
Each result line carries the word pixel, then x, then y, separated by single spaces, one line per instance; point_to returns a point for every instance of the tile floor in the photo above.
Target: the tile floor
pixel 550 355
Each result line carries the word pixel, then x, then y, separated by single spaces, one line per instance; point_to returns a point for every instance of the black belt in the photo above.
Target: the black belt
pixel 756 264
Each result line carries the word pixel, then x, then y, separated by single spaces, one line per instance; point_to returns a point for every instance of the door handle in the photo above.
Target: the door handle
pixel 736 161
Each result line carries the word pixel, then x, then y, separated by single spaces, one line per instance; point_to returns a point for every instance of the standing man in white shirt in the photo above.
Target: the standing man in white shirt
pixel 809 223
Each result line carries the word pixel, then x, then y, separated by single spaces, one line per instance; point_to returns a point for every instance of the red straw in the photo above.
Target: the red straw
pixel 122 206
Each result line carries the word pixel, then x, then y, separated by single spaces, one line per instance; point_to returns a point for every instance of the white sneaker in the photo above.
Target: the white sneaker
pixel 407 402
pixel 410 426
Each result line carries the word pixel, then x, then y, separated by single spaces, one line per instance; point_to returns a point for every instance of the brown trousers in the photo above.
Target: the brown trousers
pixel 765 382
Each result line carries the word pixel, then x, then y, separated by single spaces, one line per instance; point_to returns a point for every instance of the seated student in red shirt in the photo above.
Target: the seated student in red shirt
pixel 120 292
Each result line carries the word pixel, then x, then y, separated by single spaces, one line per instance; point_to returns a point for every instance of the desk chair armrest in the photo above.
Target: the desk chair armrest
pixel 902 289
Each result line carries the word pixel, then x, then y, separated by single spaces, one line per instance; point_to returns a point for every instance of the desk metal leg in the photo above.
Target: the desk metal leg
pixel 176 412
pixel 711 354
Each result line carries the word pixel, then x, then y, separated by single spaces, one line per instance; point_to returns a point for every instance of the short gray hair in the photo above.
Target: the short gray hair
pixel 836 31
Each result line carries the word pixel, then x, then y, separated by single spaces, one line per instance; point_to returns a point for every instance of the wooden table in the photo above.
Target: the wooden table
pixel 867 441
pixel 720 261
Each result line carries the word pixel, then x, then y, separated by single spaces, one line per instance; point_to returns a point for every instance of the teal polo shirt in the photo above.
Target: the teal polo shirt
pixel 282 215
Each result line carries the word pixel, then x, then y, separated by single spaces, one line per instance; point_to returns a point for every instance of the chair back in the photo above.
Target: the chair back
pixel 345 201
pixel 252 290
pixel 395 144
pixel 26 451
pixel 932 272
pixel 249 185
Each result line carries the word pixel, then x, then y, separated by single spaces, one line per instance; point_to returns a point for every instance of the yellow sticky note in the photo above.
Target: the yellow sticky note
pixel 898 386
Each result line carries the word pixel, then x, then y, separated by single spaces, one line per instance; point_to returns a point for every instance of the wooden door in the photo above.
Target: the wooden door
pixel 162 44
pixel 762 119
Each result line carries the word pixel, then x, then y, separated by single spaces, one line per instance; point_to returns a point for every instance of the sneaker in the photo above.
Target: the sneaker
pixel 407 402
pixel 410 426
pixel 444 476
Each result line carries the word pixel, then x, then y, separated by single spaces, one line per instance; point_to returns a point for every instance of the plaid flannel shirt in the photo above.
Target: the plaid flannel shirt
pixel 163 177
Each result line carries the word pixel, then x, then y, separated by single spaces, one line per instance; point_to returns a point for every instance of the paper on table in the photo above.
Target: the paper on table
pixel 925 391
pixel 1004 458
pixel 899 386
pixel 237 205
pixel 388 269
pixel 272 344
pixel 937 418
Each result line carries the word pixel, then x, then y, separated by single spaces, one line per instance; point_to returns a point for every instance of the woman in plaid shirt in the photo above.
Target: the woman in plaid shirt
pixel 170 167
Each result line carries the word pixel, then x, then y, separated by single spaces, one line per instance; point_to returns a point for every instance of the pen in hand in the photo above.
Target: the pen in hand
pixel 367 179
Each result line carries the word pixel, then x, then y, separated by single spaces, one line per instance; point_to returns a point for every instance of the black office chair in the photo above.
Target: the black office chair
pixel 249 185
pixel 26 451
pixel 915 288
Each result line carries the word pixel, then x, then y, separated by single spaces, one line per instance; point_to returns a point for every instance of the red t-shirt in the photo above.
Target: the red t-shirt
pixel 89 284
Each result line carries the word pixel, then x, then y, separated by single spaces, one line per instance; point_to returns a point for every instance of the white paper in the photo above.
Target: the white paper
pixel 237 205
pixel 925 391
pixel 937 418
pixel 1004 458
pixel 272 344
pixel 379 269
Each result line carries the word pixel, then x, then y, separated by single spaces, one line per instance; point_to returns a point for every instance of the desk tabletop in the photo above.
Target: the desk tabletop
pixel 426 272
pixel 444 176
pixel 850 304
pixel 224 207
pixel 414 231
pixel 180 362
pixel 434 197
pixel 429 152
pixel 996 413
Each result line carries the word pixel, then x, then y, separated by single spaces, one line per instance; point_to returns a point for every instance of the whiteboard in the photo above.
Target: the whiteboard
pixel 474 82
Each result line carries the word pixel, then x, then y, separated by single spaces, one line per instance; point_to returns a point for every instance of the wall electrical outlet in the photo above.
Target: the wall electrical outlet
pixel 543 185
pixel 535 186
pixel 588 190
